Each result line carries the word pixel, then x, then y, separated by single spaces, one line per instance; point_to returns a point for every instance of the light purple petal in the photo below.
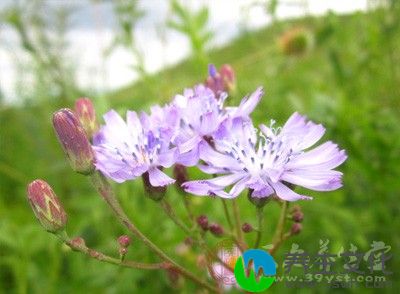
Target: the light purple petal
pixel 287 194
pixel 158 178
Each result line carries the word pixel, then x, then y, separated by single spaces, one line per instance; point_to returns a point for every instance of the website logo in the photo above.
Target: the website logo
pixel 255 270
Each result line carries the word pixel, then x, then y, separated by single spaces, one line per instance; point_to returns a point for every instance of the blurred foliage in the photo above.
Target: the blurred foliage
pixel 42 34
pixel 128 14
pixel 194 26
pixel 349 82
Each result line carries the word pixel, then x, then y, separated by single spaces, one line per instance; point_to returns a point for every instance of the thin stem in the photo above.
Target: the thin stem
pixel 172 215
pixel 188 207
pixel 81 247
pixel 260 218
pixel 227 216
pixel 279 237
pixel 105 190
pixel 239 232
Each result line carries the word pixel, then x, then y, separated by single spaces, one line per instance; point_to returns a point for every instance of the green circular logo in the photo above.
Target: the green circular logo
pixel 255 270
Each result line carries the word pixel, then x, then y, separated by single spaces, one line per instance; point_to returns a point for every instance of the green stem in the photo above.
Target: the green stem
pixel 172 215
pixel 105 190
pixel 260 218
pixel 227 216
pixel 81 247
pixel 239 232
pixel 279 237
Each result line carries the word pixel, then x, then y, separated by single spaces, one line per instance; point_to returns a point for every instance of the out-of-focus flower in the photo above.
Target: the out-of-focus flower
pixel 222 81
pixel 86 114
pixel 201 115
pixel 46 206
pixel 74 141
pixel 296 41
pixel 127 150
pixel 264 162
pixel 224 275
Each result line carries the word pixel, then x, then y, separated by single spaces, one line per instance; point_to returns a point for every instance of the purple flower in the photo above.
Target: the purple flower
pixel 126 150
pixel 201 115
pixel 265 161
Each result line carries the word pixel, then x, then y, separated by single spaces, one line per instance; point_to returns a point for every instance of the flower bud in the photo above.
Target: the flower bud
pixel 296 41
pixel 228 76
pixel 214 81
pixel 154 193
pixel 202 221
pixel 216 230
pixel 74 141
pixel 86 114
pixel 257 201
pixel 77 243
pixel 296 229
pixel 247 228
pixel 298 216
pixel 180 175
pixel 124 241
pixel 46 206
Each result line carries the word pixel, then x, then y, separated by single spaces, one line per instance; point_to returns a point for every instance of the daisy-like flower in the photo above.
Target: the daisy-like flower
pixel 266 161
pixel 126 150
pixel 200 116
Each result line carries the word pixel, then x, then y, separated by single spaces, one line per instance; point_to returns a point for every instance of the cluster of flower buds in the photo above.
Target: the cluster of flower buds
pixel 220 81
pixel 214 228
pixel 46 206
pixel 297 217
pixel 296 41
pixel 74 141
pixel 124 241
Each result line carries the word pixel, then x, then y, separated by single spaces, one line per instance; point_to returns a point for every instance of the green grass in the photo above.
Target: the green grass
pixel 349 82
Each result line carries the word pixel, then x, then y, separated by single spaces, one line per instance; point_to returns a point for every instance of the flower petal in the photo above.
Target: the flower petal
pixel 287 194
pixel 158 178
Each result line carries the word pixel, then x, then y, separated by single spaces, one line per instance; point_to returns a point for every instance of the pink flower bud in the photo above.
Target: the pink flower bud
pixel 228 76
pixel 297 216
pixel 247 228
pixel 202 221
pixel 46 206
pixel 216 230
pixel 74 141
pixel 86 114
pixel 296 228
pixel 124 241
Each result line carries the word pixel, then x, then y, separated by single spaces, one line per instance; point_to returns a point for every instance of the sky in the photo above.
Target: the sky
pixel 91 28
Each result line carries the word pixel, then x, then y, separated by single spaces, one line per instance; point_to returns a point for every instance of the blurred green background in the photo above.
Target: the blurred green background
pixel 340 70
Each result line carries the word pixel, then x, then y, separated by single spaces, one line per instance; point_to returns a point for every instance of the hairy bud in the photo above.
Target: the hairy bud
pixel 221 81
pixel 74 141
pixel 46 206
pixel 86 114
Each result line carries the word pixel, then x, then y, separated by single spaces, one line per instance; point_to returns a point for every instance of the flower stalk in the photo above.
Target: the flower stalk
pixel 105 190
